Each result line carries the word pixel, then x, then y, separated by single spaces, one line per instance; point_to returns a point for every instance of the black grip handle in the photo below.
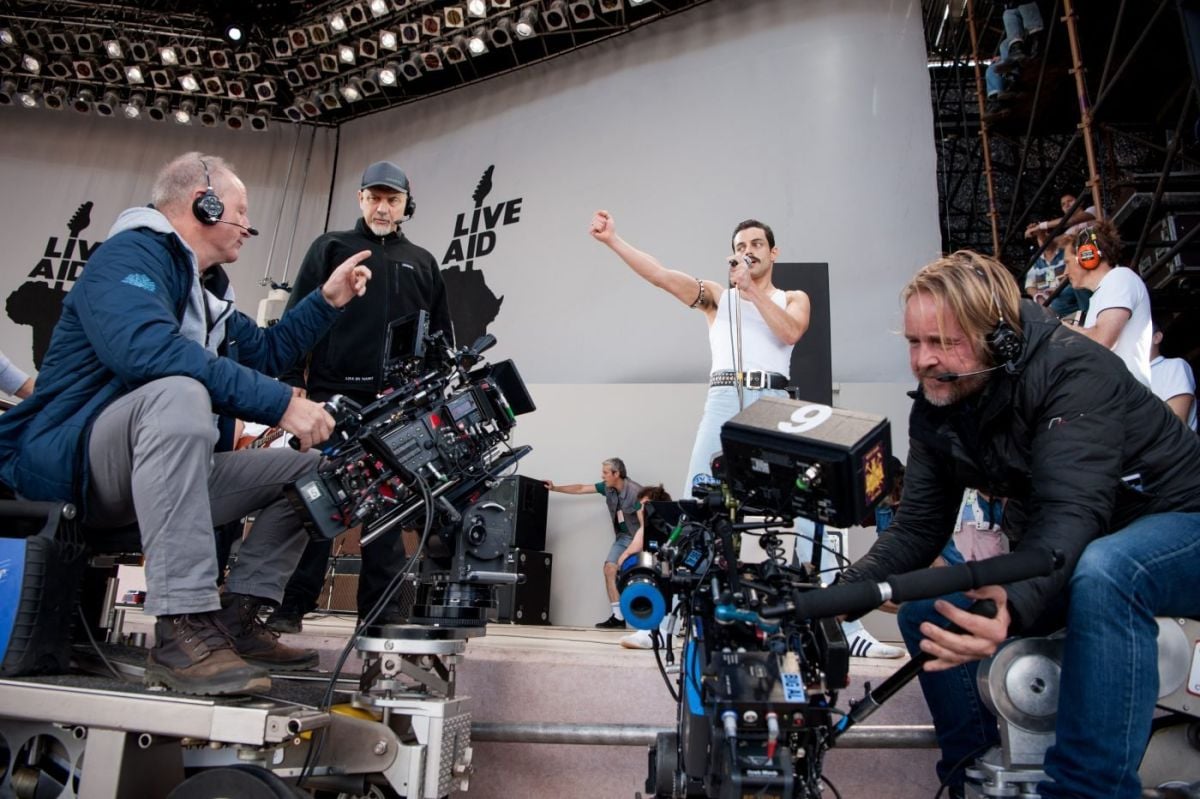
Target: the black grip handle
pixel 1000 570
pixel 836 600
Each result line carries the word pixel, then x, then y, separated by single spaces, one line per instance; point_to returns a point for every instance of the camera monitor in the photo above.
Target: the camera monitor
pixel 405 341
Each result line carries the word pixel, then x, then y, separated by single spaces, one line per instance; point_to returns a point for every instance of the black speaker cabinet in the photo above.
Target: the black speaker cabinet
pixel 527 602
pixel 524 500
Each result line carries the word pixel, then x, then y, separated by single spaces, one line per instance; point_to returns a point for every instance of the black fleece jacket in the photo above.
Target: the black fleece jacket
pixel 1078 446
pixel 405 278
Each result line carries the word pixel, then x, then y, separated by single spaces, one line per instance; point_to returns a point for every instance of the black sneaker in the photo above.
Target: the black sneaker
pixel 611 623
pixel 285 620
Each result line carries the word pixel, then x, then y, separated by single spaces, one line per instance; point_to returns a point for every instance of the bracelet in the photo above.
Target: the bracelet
pixel 699 297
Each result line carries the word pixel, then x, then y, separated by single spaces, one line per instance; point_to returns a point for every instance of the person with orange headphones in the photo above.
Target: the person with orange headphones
pixel 1118 314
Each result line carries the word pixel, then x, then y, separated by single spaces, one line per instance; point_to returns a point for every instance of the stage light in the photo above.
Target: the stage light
pixel 8 62
pixel 210 116
pixel 411 69
pixel 399 5
pixel 292 76
pixel 108 104
pixel 6 37
pixel 388 40
pixel 368 85
pixel 379 8
pixel 235 89
pixel 310 71
pixel 431 60
pixel 346 54
pixel 297 39
pixel 368 49
pixel 582 11
pixel 220 59
pixel 477 8
pixel 638 2
pixel 410 33
pixel 188 83
pixel 281 46
pixel 140 52
pixel 318 34
pixel 356 14
pixel 8 92
pixel 235 32
pixel 258 121
pixel 111 73
pixel 454 17
pixel 311 106
pixel 265 89
pixel 329 63
pixel 61 69
pixel 35 38
pixel 191 56
pixel 387 76
pixel 183 112
pixel 527 23
pixel 501 34
pixel 475 45
pixel 31 97
pixel 213 86
pixel 501 3
pixel 351 92
pixel 293 113
pixel 113 49
pixel 456 51
pixel 556 16
pixel 169 56
pixel 55 98
pixel 247 62
pixel 58 42
pixel 134 75
pixel 337 22
pixel 83 101
pixel 236 120
pixel 85 69
pixel 31 63
pixel 85 43
pixel 329 100
pixel 159 109
pixel 431 26
pixel 161 78
pixel 610 6
pixel 135 107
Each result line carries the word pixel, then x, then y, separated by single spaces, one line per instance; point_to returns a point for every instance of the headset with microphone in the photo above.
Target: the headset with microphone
pixel 209 209
pixel 1004 344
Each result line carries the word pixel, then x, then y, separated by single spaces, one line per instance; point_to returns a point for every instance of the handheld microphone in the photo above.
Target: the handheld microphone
pixel 733 262
pixel 950 377
pixel 252 231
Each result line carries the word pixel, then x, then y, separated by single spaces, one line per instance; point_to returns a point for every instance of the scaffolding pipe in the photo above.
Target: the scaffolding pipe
pixel 1085 112
pixel 985 142
pixel 899 736
pixel 1161 186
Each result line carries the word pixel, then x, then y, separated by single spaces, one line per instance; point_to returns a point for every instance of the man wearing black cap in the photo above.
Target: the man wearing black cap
pixel 348 360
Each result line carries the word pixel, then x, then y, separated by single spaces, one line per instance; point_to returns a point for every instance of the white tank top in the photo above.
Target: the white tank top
pixel 761 348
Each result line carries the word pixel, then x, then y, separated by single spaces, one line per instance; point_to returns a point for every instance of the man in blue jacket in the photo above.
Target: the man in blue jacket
pixel 132 417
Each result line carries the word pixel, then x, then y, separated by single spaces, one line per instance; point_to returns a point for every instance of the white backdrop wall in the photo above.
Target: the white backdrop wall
pixel 812 116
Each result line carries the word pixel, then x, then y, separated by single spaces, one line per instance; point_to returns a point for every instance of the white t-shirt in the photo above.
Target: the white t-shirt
pixel 1122 288
pixel 1170 377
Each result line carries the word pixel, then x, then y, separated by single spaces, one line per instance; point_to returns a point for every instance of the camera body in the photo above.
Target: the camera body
pixel 419 458
pixel 757 687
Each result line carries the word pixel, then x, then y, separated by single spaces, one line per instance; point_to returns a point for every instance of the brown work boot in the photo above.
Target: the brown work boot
pixel 193 654
pixel 257 644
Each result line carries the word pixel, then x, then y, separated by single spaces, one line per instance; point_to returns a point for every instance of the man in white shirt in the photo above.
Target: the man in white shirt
pixel 1172 381
pixel 1118 314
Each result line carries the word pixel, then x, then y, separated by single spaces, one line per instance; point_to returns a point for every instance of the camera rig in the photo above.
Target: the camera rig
pixel 764 656
pixel 425 452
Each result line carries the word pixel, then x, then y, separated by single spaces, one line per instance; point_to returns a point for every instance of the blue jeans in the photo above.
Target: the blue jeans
pixel 719 408
pixel 1109 680
pixel 1021 21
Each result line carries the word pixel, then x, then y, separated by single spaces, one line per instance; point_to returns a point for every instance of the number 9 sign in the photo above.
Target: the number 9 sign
pixel 806 418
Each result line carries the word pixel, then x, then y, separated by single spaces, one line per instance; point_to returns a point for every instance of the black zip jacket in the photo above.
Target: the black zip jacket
pixel 405 279
pixel 1076 443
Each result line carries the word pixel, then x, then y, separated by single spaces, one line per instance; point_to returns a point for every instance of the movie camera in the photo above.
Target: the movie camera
pixel 421 456
pixel 764 656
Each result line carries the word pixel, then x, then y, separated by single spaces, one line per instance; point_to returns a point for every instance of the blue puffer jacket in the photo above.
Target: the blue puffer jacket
pixel 137 314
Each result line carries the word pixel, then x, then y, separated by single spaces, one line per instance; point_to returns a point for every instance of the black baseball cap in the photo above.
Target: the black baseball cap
pixel 385 173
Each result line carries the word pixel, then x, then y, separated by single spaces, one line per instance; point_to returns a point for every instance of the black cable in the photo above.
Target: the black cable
pixel 88 629
pixel 655 640
pixel 837 794
pixel 961 764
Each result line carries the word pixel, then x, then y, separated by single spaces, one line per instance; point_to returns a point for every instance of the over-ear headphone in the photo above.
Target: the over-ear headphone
pixel 208 207
pixel 1004 343
pixel 410 207
pixel 1087 249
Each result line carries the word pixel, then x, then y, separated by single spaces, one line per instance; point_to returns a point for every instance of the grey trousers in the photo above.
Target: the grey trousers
pixel 151 461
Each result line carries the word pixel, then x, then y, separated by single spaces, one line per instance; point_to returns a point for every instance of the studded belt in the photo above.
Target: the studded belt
pixel 755 378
